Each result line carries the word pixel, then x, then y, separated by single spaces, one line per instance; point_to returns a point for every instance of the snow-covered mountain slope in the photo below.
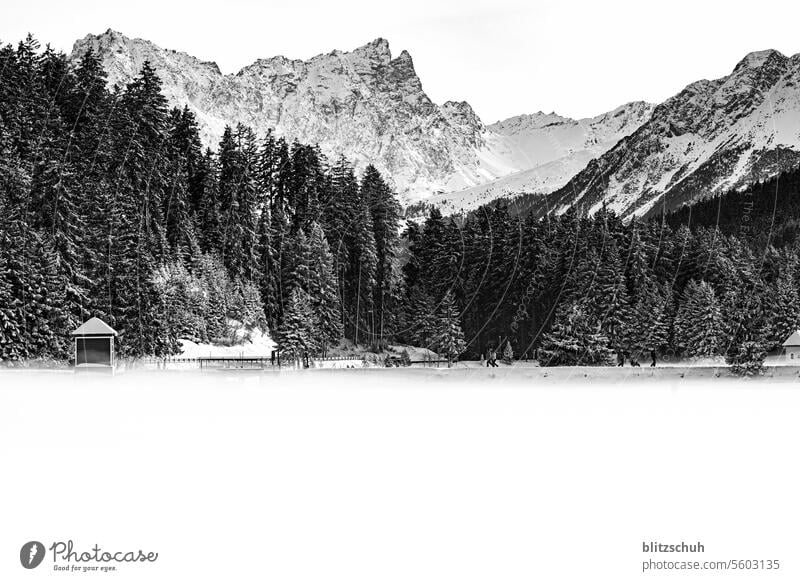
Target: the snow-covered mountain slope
pixel 363 104
pixel 546 150
pixel 372 108
pixel 711 137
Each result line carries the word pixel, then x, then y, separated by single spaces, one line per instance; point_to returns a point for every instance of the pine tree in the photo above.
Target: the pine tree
pixel 11 340
pixel 385 214
pixel 745 329
pixel 648 327
pixel 296 334
pixel 238 160
pixel 508 353
pixel 747 357
pixel 144 157
pixel 698 322
pixel 185 170
pixel 269 265
pixel 784 307
pixel 421 318
pixel 321 288
pixel 574 340
pixel 449 336
pixel 611 302
pixel 217 293
pixel 360 279
pixel 208 217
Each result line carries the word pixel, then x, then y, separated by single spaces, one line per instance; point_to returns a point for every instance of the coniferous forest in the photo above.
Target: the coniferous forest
pixel 111 207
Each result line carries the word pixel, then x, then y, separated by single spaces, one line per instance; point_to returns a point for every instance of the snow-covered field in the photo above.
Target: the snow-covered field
pixel 421 473
pixel 257 344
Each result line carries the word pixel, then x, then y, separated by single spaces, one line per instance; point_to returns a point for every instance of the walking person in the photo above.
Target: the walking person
pixel 653 357
pixel 492 361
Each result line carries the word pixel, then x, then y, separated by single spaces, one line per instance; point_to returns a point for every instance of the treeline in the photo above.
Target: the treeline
pixel 570 290
pixel 766 213
pixel 110 207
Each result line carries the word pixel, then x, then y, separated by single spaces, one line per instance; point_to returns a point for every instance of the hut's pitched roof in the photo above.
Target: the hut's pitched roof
pixel 793 340
pixel 95 326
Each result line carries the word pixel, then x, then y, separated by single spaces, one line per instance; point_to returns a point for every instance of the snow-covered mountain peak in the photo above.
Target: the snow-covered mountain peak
pixel 528 122
pixel 363 104
pixel 123 57
pixel 377 49
pixel 461 115
pixel 758 59
pixel 372 108
pixel 711 137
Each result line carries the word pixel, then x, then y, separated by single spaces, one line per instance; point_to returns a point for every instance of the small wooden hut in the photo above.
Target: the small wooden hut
pixel 791 347
pixel 94 345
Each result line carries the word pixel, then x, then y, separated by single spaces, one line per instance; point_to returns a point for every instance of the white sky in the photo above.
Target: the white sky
pixel 504 57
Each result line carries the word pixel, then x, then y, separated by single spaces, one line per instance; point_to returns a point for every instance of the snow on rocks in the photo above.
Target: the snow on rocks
pixel 372 108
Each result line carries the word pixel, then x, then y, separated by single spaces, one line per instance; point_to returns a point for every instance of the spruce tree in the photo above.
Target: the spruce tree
pixel 648 326
pixel 449 339
pixel 421 318
pixel 297 332
pixel 385 214
pixel 321 286
pixel 508 353
pixel 574 340
pixel 783 309
pixel 698 322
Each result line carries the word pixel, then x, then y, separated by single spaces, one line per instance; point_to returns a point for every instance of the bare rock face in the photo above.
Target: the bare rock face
pixel 638 159
pixel 363 104
pixel 539 153
pixel 372 108
pixel 711 137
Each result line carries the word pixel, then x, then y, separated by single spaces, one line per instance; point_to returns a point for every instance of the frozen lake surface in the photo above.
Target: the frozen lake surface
pixel 401 473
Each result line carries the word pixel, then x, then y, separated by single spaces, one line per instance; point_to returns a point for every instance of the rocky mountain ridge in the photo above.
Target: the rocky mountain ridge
pixel 712 137
pixel 371 107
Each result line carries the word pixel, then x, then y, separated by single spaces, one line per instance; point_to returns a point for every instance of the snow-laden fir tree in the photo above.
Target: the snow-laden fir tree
pixel 747 357
pixel 698 322
pixel 783 308
pixel 648 325
pixel 508 353
pixel 610 298
pixel 745 330
pixel 296 336
pixel 10 345
pixel 216 290
pixel 421 319
pixel 449 336
pixel 321 286
pixel 574 340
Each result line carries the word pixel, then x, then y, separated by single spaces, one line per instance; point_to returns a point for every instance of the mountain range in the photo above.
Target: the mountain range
pixel 712 137
pixel 371 107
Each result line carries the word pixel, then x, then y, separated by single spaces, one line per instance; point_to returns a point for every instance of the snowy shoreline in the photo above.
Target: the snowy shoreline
pixel 468 373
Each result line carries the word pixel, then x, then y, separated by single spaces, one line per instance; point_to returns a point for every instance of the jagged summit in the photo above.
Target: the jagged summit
pixel 757 59
pixel 379 46
pixel 372 108
pixel 363 104
pixel 112 41
pixel 711 137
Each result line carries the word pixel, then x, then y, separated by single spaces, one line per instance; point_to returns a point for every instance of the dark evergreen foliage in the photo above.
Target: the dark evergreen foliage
pixel 109 206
